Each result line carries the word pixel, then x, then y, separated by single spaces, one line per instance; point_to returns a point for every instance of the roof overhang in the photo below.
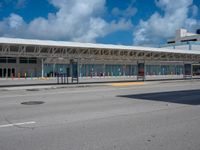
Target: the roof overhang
pixel 15 47
pixel 48 43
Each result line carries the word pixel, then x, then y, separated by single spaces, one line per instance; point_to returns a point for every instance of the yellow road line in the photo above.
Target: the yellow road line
pixel 126 84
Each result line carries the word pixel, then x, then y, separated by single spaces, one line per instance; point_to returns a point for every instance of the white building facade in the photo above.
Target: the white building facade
pixel 184 40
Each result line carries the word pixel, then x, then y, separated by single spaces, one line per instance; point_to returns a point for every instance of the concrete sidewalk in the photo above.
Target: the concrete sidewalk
pixel 100 84
pixel 42 81
pixel 50 83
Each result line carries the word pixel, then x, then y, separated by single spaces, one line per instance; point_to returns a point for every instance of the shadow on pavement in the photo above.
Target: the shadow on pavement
pixel 190 97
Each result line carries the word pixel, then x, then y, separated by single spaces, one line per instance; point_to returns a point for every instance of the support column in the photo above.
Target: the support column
pixel 104 70
pixel 78 71
pixel 42 67
pixel 53 70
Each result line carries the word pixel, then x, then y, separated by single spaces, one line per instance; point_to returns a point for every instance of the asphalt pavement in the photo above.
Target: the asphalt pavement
pixel 149 116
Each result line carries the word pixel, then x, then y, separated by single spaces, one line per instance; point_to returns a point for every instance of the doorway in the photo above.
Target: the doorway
pixel 9 73
pixel 13 72
pixel 196 70
pixel 1 72
pixel 68 71
pixel 141 71
pixel 4 72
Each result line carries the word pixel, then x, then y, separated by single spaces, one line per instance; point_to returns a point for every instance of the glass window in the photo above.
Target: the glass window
pixel 2 59
pixel 32 61
pixel 23 60
pixel 11 60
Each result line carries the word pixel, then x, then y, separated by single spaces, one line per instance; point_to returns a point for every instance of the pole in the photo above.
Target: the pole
pixel 78 71
pixel 53 70
pixel 42 67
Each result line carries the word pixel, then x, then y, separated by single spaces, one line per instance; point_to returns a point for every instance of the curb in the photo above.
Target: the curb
pixel 45 87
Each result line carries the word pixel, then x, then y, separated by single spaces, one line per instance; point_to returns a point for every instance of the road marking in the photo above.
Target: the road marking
pixel 127 83
pixel 16 124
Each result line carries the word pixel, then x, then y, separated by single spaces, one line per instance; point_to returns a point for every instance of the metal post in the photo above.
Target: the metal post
pixel 78 71
pixel 67 80
pixel 57 78
pixel 61 78
pixel 53 70
pixel 64 78
pixel 42 67
pixel 137 70
pixel 104 70
pixel 144 71
pixel 183 70
pixel 191 71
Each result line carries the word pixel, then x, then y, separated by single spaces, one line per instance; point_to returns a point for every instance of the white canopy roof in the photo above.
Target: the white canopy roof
pixel 49 43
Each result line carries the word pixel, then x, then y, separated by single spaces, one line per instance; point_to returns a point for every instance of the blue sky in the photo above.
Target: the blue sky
pixel 128 22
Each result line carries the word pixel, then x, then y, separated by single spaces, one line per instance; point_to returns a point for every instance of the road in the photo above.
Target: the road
pixel 156 115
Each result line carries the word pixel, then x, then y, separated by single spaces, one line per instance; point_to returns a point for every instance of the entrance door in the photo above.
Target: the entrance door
pixel 74 70
pixel 141 71
pixel 187 70
pixel 68 71
pixel 196 70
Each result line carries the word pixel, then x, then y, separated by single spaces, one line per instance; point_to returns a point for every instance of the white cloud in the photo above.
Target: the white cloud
pixel 122 24
pixel 159 27
pixel 75 20
pixel 15 21
pixel 12 26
